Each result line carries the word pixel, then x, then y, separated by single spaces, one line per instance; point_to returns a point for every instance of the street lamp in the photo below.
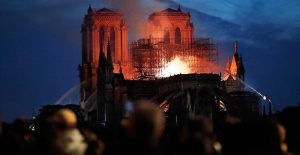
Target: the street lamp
pixel 266 97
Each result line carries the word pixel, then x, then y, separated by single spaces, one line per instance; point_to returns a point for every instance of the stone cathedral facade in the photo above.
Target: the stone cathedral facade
pixel 98 28
pixel 109 62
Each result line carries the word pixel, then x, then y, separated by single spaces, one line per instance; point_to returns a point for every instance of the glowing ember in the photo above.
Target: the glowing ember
pixel 176 66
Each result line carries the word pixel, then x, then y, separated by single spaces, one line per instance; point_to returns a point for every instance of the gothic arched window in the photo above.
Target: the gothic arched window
pixel 101 37
pixel 167 36
pixel 112 41
pixel 177 36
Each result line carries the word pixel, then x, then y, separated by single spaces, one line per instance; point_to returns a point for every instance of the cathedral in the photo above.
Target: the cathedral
pixel 169 66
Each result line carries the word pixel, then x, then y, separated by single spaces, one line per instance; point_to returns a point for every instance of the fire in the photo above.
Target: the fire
pixel 176 66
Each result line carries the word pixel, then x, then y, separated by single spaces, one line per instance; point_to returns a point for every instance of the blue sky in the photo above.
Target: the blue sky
pixel 40 45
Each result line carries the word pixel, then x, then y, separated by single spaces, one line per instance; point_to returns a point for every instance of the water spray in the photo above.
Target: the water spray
pixel 266 97
pixel 70 91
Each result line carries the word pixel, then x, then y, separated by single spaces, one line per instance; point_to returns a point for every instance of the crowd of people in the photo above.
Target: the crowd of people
pixel 143 132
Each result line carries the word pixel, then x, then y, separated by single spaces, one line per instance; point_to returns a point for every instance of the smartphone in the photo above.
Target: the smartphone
pixel 128 106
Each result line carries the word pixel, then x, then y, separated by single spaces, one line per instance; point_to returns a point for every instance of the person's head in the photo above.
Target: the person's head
pixel 200 124
pixel 95 145
pixel 146 123
pixel 21 126
pixel 200 136
pixel 282 136
pixel 64 118
pixel 258 136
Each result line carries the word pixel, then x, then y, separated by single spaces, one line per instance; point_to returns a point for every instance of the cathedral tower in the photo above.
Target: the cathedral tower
pixel 173 26
pixel 99 27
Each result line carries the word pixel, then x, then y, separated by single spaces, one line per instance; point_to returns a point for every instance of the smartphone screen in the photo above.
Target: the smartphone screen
pixel 128 106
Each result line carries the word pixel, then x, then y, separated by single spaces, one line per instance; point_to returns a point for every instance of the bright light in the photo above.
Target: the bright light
pixel 264 97
pixel 176 66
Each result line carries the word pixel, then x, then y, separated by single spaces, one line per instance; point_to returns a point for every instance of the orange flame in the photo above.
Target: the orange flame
pixel 176 66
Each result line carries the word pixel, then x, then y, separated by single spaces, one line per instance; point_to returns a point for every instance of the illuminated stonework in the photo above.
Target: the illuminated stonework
pixel 235 72
pixel 169 58
pixel 170 40
pixel 98 28
pixel 174 26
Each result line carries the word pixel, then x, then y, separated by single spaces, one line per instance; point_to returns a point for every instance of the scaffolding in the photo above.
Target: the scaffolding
pixel 150 57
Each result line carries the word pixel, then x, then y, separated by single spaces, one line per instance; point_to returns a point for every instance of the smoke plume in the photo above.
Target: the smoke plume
pixel 136 13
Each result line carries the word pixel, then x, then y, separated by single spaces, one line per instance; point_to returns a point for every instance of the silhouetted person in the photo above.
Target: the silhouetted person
pixel 16 138
pixel 63 137
pixel 95 145
pixel 143 129
pixel 255 137
pixel 199 138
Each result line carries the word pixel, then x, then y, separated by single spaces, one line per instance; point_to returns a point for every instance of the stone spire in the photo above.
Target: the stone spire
pixel 233 67
pixel 102 61
pixel 90 10
pixel 236 55
pixel 109 65
pixel 179 9
pixel 241 69
pixel 235 47
pixel 105 88
pixel 109 57
pixel 227 71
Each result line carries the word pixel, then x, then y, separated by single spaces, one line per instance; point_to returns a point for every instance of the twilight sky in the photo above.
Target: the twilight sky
pixel 40 45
